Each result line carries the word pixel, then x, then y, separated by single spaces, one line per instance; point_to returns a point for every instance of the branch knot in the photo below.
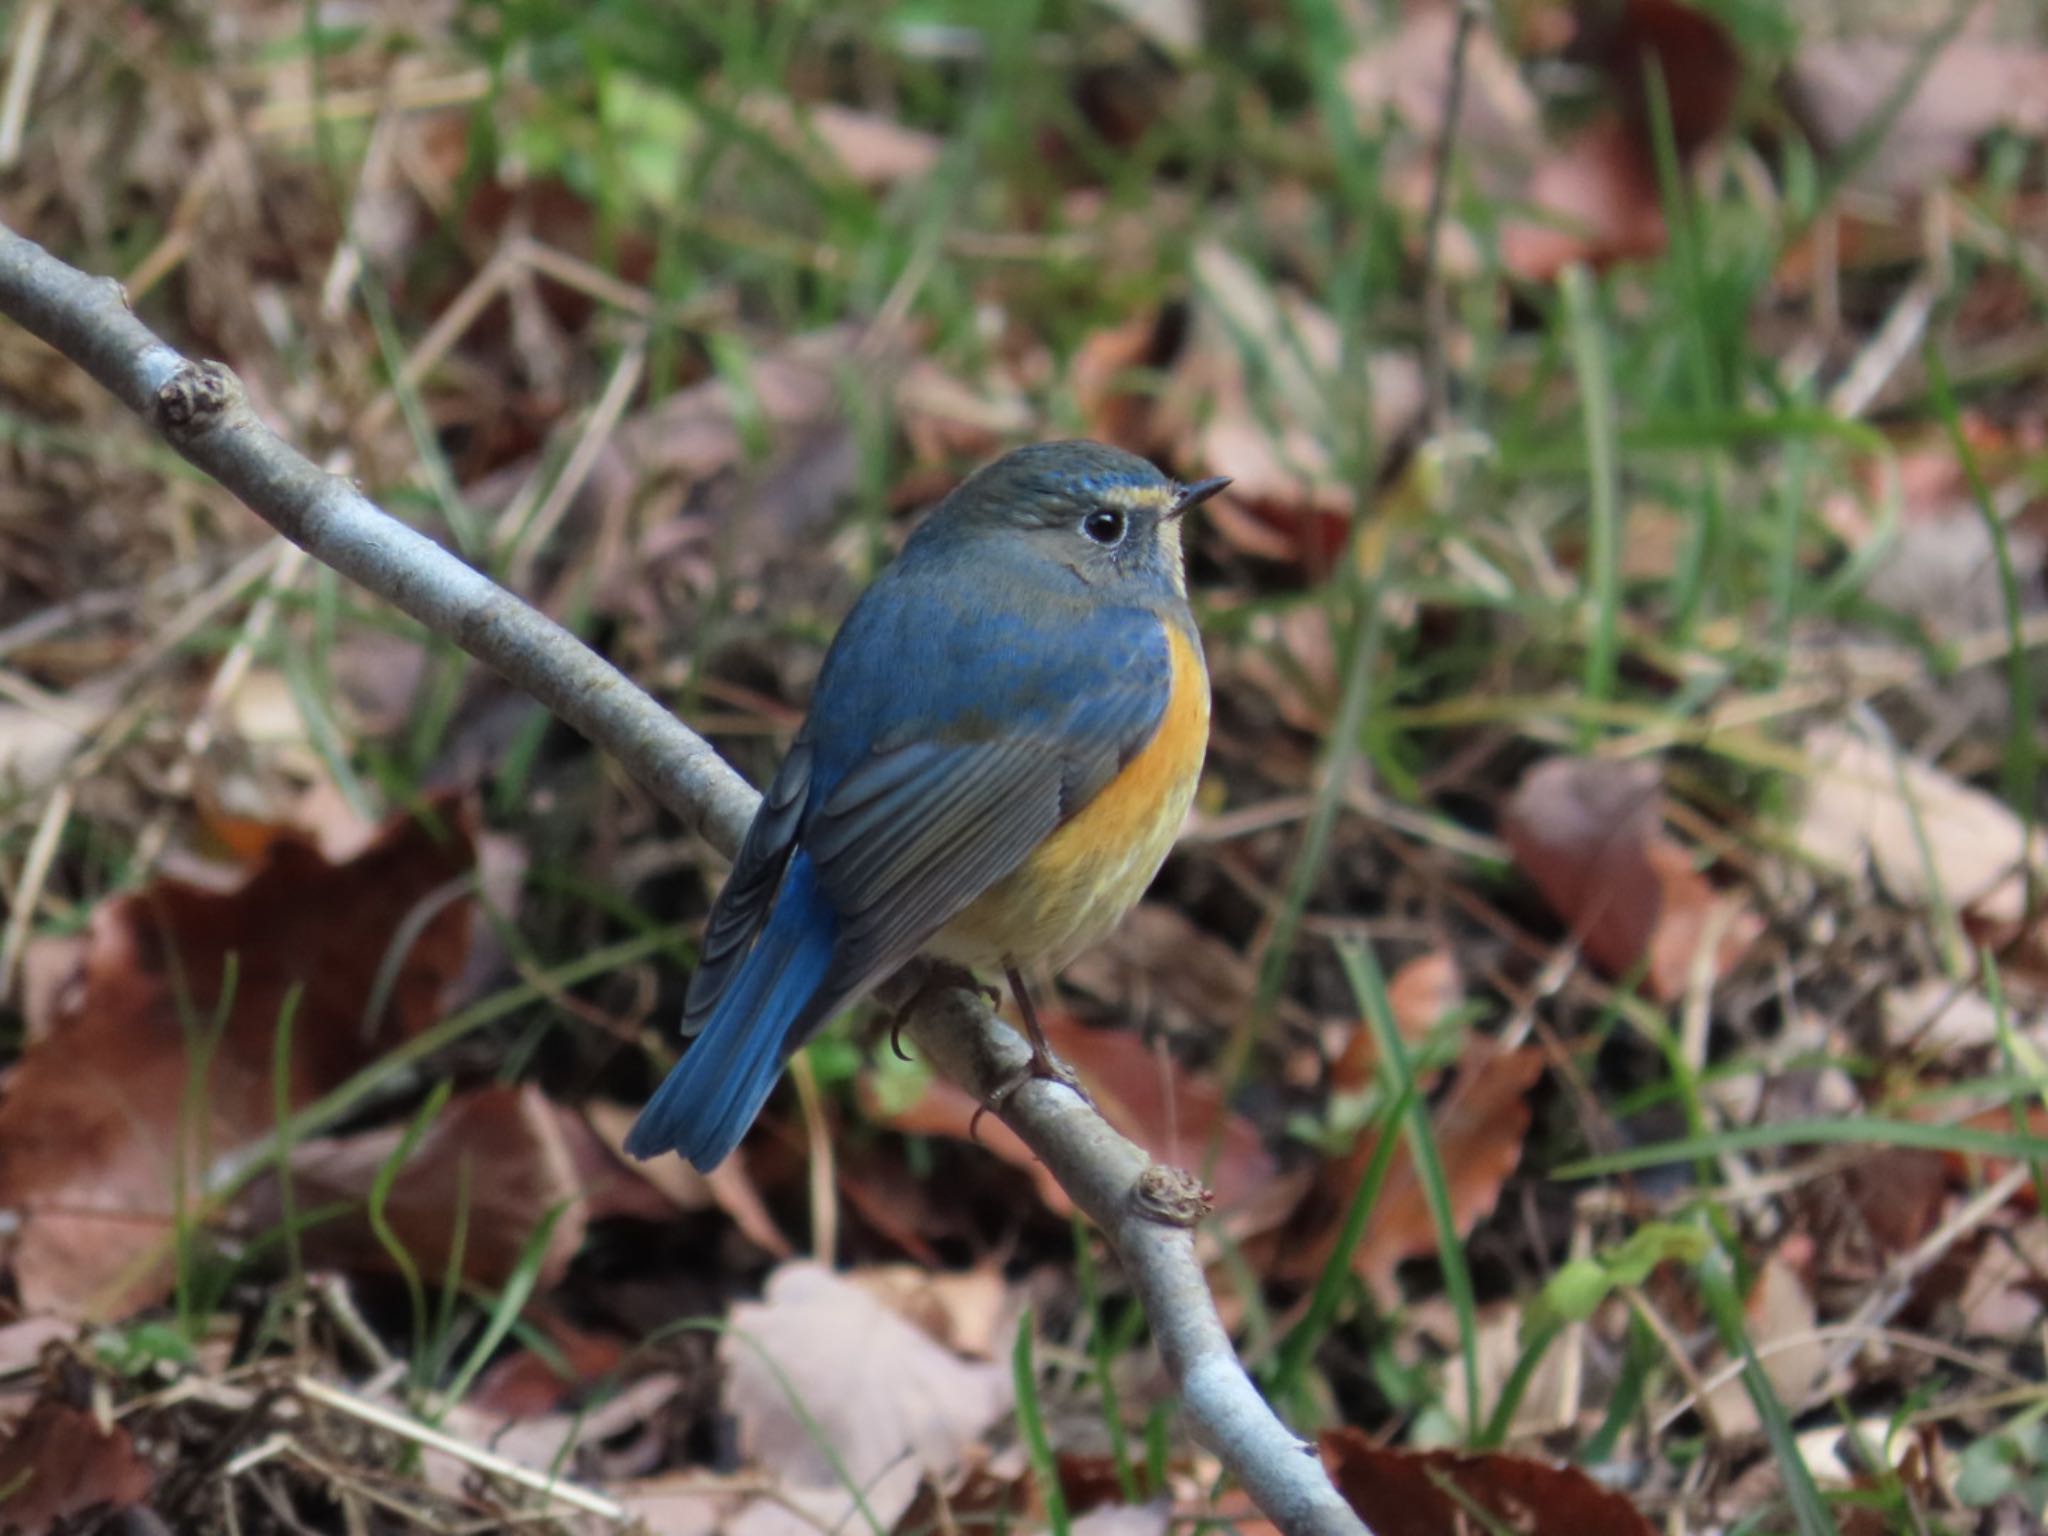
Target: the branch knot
pixel 192 401
pixel 1171 1196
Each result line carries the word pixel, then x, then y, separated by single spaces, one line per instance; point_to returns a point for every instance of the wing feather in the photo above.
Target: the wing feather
pixel 748 896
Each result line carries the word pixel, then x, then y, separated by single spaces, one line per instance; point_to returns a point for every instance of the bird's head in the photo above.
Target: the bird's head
pixel 1105 515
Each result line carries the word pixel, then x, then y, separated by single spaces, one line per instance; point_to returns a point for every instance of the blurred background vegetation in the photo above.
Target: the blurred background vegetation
pixel 1603 979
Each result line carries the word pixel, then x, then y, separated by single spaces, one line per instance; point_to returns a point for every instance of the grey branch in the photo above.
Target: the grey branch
pixel 1147 1212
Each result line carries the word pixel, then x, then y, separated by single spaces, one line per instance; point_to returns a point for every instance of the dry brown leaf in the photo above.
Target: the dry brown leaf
pixel 1599 191
pixel 1684 47
pixel 872 150
pixel 1928 839
pixel 1588 832
pixel 891 1404
pixel 1550 1395
pixel 682 1503
pixel 1598 201
pixel 36 742
pixel 1479 1127
pixel 1409 76
pixel 1420 994
pixel 1940 1018
pixel 1279 457
pixel 487 1172
pixel 1174 25
pixel 1780 1317
pixel 95 1109
pixel 620 1437
pixel 1111 410
pixel 1931 841
pixel 1397 1493
pixel 729 1186
pixel 965 1311
pixel 23 1341
pixel 60 1464
pixel 1143 1092
pixel 2006 1288
pixel 526 1383
pixel 1839 87
pixel 1124 1520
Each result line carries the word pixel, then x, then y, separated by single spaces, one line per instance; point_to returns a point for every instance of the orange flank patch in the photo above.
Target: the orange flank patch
pixel 1126 812
pixel 1085 876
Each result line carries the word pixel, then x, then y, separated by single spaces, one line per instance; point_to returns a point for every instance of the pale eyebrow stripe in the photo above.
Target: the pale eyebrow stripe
pixel 1139 495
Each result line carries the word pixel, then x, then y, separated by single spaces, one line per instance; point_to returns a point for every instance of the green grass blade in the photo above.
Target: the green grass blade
pixel 1334 1283
pixel 1854 1130
pixel 511 1301
pixel 1031 1427
pixel 1603 547
pixel 1369 986
pixel 1717 1287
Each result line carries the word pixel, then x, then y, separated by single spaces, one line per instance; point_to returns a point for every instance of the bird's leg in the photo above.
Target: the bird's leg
pixel 1042 1063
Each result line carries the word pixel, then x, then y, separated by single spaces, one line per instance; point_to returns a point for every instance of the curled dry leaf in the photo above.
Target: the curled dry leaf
pixel 60 1464
pixel 97 1109
pixel 489 1170
pixel 1410 1493
pixel 819 1357
pixel 1478 1127
pixel 1170 1112
pixel 1930 840
pixel 1589 834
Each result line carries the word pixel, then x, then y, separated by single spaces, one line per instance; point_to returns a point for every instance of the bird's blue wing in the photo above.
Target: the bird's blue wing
pixel 749 891
pixel 944 744
pixel 973 750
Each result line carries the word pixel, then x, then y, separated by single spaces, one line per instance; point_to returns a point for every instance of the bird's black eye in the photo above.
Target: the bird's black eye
pixel 1105 526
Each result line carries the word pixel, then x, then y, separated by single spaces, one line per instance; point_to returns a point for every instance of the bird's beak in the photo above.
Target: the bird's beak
pixel 1194 495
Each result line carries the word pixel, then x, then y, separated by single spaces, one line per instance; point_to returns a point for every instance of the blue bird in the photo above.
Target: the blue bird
pixel 1003 744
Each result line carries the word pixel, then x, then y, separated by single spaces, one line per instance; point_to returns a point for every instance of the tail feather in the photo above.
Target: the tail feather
pixel 712 1097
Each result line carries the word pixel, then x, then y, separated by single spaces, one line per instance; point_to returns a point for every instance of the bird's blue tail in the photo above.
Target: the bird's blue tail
pixel 726 1075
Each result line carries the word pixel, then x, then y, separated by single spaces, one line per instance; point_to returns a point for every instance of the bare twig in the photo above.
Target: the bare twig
pixel 1435 301
pixel 31 33
pixel 1148 1212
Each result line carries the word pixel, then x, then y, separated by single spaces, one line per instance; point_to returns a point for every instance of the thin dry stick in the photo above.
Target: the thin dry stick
pixel 1435 300
pixel 31 33
pixel 405 1427
pixel 1148 1212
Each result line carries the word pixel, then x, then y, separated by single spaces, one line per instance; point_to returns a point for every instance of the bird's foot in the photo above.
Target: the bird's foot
pixel 1043 1064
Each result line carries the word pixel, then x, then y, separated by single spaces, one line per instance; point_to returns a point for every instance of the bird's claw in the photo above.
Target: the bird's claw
pixel 943 975
pixel 1043 1064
